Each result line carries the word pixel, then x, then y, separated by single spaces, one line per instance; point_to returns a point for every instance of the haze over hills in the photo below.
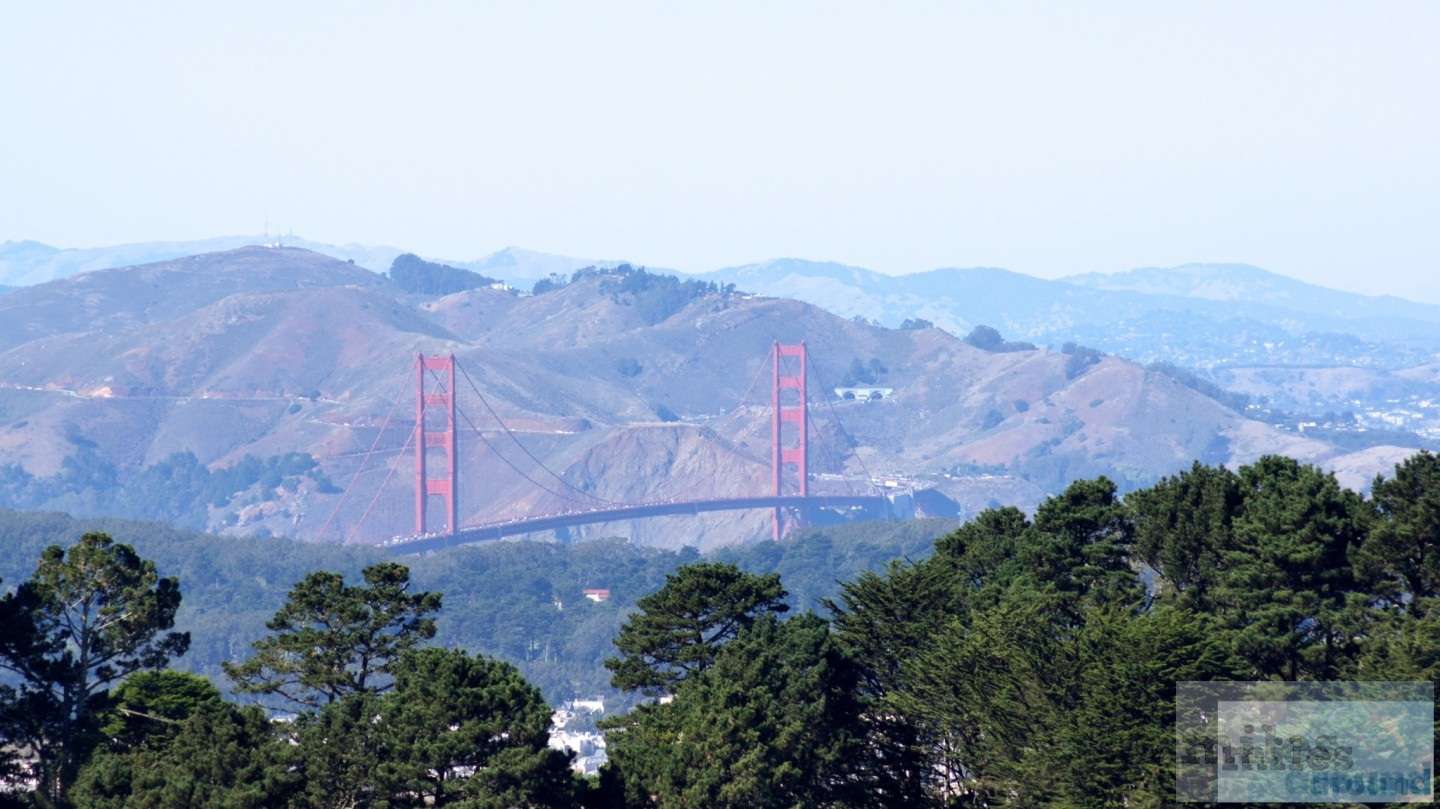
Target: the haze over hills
pixel 1197 315
pixel 625 385
pixel 1019 304
pixel 24 263
pixel 1236 326
pixel 1097 309
pixel 1247 284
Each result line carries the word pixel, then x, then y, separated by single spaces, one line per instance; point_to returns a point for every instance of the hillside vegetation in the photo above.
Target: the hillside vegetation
pixel 1028 660
pixel 520 601
pixel 414 274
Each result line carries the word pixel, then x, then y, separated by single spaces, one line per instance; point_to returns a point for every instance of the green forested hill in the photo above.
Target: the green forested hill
pixel 519 601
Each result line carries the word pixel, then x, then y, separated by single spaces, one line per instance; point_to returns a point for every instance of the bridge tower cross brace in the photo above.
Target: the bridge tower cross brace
pixel 435 393
pixel 796 454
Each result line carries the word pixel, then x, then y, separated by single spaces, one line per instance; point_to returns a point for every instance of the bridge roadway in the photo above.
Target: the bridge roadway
pixel 528 525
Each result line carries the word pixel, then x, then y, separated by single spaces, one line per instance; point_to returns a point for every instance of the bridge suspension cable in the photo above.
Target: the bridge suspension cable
pixel 786 376
pixel 476 429
pixel 368 453
pixel 408 438
pixel 734 445
pixel 835 417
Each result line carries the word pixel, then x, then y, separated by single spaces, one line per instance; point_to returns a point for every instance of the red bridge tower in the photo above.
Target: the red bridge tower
pixel 789 447
pixel 435 429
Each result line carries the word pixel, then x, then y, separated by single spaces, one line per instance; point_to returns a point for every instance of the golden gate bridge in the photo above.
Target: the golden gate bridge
pixel 437 466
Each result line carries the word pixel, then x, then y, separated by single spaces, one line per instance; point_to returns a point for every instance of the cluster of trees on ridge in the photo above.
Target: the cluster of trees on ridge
pixel 414 274
pixel 987 338
pixel 655 297
pixel 1029 660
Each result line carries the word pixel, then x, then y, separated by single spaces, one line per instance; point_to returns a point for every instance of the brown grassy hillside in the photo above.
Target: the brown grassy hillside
pixel 263 352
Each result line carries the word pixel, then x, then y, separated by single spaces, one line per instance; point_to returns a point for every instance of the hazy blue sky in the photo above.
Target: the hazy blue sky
pixel 1047 138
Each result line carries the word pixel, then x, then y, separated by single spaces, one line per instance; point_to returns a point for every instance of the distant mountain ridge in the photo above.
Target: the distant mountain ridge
pixel 955 299
pixel 1215 318
pixel 621 387
pixel 1207 288
pixel 25 263
pixel 1212 314
pixel 1243 283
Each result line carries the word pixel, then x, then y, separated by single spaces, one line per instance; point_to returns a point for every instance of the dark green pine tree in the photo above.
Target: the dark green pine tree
pixel 881 622
pixel 340 754
pixel 1401 555
pixel 90 615
pixel 1079 547
pixel 677 630
pixel 1183 528
pixel 1402 549
pixel 982 553
pixel 469 731
pixel 331 639
pixel 1114 718
pixel 1286 589
pixel 12 642
pixel 880 619
pixel 976 697
pixel 773 723
pixel 1012 710
pixel 219 757
pixel 149 707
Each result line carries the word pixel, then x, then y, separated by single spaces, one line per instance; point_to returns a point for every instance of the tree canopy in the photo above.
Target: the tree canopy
pixel 774 722
pixel 90 615
pixel 331 639
pixel 678 629
pixel 1029 660
pixel 464 730
pixel 987 338
pixel 414 274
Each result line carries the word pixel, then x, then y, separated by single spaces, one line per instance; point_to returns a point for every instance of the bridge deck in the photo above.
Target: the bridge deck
pixel 529 525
